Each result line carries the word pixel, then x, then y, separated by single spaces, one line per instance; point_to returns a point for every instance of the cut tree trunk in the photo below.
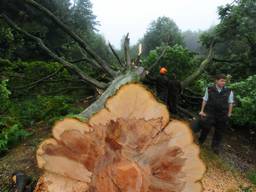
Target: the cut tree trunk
pixel 129 145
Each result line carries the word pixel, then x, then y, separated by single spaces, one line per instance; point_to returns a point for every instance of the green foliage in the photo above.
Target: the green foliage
pixel 176 59
pixel 245 91
pixel 161 31
pixel 11 130
pixel 24 102
pixel 31 97
pixel 78 16
pixel 4 95
pixel 24 114
pixel 251 175
pixel 82 14
pixel 23 75
pixel 11 135
pixel 42 108
pixel 6 41
pixel 201 83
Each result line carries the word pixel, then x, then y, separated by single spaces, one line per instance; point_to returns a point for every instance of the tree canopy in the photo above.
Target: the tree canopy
pixel 236 39
pixel 161 31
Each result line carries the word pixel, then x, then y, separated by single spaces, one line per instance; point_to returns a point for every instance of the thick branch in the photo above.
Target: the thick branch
pixel 127 50
pixel 116 55
pixel 110 91
pixel 201 68
pixel 33 84
pixel 92 62
pixel 225 60
pixel 5 61
pixel 79 60
pixel 65 63
pixel 138 61
pixel 76 38
pixel 186 112
pixel 192 97
pixel 191 92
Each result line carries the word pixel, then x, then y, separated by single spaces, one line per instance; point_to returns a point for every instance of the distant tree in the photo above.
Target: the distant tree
pixel 161 31
pixel 78 16
pixel 192 41
pixel 83 20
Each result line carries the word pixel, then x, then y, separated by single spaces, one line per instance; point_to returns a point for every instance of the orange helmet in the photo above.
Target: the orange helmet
pixel 163 70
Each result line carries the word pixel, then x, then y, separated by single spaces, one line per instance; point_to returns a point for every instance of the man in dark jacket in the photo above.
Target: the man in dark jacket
pixel 216 108
pixel 162 83
pixel 174 92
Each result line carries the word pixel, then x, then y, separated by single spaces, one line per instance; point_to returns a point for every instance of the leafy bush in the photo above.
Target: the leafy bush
pixel 23 104
pixel 26 113
pixel 43 108
pixel 11 135
pixel 245 92
pixel 10 130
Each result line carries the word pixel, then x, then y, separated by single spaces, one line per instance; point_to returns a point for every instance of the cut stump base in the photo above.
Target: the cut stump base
pixel 128 146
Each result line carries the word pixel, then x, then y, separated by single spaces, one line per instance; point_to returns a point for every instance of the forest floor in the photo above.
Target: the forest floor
pixel 225 172
pixel 228 171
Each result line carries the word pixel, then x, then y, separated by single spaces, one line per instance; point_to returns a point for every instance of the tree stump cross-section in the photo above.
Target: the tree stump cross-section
pixel 130 145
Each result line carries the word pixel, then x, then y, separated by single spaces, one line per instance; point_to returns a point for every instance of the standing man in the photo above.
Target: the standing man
pixel 216 108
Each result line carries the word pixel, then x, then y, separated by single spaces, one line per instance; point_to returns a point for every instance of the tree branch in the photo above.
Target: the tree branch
pixel 75 37
pixel 92 62
pixel 225 60
pixel 127 51
pixel 33 84
pixel 191 97
pixel 130 76
pixel 186 112
pixel 65 63
pixel 191 92
pixel 201 68
pixel 116 55
pixel 137 60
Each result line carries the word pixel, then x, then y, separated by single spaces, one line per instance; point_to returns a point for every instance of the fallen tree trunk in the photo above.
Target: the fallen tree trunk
pixel 128 145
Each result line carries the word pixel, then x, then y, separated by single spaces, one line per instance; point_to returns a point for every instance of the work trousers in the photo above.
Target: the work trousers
pixel 219 122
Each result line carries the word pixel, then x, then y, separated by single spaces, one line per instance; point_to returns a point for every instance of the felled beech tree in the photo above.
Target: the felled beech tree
pixel 129 145
pixel 127 142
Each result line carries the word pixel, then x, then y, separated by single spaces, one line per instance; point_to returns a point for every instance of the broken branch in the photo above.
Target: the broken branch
pixel 201 68
pixel 76 38
pixel 65 63
pixel 127 50
pixel 116 55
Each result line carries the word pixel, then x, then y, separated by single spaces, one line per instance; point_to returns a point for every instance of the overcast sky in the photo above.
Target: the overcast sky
pixel 117 17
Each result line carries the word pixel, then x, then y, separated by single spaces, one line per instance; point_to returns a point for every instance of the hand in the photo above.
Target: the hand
pixel 202 114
